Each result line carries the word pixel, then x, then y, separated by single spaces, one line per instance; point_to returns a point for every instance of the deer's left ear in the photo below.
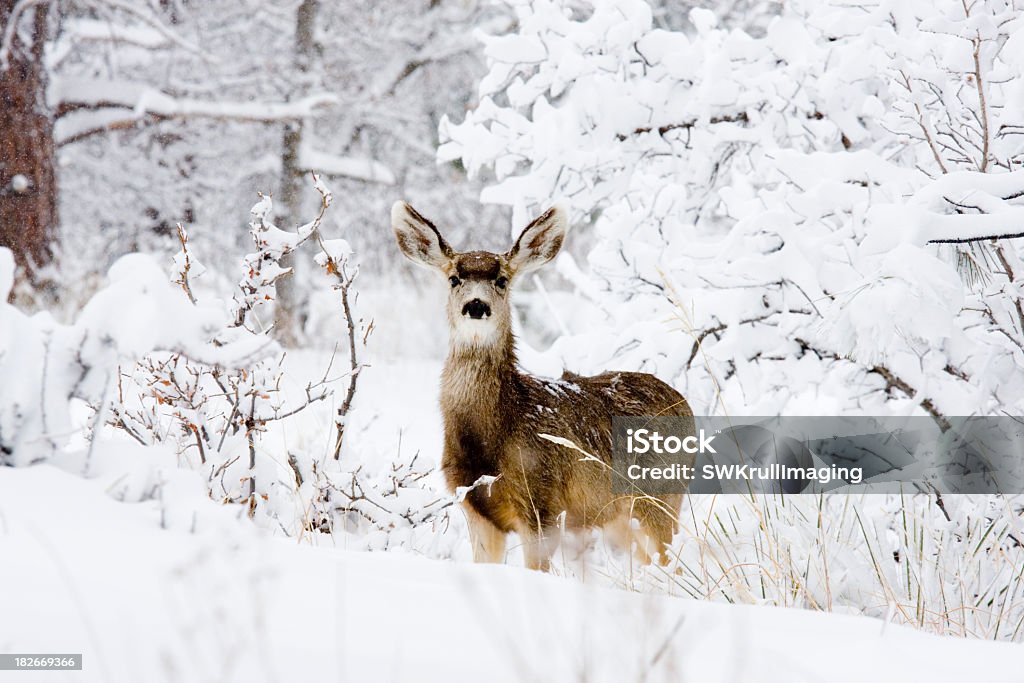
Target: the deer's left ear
pixel 540 241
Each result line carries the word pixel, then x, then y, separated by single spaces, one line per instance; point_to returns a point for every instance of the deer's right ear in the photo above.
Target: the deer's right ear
pixel 417 237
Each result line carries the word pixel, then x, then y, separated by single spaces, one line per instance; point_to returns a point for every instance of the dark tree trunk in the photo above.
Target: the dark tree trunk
pixel 28 186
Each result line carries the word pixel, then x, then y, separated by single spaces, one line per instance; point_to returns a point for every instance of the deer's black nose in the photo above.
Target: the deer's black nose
pixel 476 309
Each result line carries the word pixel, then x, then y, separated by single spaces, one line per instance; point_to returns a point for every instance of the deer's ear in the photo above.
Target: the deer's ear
pixel 418 238
pixel 540 241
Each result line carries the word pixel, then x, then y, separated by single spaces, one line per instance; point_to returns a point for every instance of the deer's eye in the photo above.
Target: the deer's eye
pixel 501 282
pixel 455 281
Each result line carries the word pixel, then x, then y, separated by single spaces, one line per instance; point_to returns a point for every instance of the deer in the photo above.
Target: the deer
pixel 498 419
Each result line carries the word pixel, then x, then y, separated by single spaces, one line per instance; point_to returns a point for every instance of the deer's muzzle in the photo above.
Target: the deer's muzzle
pixel 476 309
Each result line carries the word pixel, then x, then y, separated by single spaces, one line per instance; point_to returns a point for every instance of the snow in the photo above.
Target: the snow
pixel 20 183
pixel 337 250
pixel 164 545
pixel 154 102
pixel 871 320
pixel 213 596
pixel 778 208
pixel 134 34
pixel 345 166
pixel 143 99
pixel 6 272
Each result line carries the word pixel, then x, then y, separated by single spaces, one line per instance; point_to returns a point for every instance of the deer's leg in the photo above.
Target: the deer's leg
pixel 658 525
pixel 538 546
pixel 488 541
pixel 621 534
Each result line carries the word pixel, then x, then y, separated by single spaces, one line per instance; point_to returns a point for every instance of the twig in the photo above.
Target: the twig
pixel 250 431
pixel 923 127
pixel 740 117
pixel 1010 276
pixel 355 368
pixel 338 270
pixel 981 238
pixel 981 101
pixel 892 381
pixel 187 266
pixel 11 30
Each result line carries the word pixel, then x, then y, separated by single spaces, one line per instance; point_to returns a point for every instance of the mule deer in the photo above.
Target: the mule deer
pixel 494 413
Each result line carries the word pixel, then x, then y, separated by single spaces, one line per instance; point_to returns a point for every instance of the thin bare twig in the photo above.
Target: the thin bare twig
pixel 186 266
pixel 980 238
pixel 980 83
pixel 924 129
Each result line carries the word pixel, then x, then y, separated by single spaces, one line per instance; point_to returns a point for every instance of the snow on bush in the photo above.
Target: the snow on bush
pixel 822 209
pixel 45 365
pixel 204 380
pixel 819 219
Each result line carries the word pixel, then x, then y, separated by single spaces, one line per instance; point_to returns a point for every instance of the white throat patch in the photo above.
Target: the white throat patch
pixel 468 332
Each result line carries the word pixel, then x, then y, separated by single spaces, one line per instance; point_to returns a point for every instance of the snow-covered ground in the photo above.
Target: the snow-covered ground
pixel 180 588
pixel 81 572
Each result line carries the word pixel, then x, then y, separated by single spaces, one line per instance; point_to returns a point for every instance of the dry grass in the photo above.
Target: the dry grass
pixel 888 556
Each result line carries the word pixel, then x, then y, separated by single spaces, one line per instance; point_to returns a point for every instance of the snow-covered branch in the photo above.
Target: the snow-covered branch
pixel 85 108
pixel 139 35
pixel 316 161
pixel 156 26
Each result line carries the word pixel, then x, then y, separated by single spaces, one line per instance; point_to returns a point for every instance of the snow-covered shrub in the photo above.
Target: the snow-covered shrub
pixel 785 199
pixel 203 379
pixel 45 366
pixel 217 416
pixel 213 413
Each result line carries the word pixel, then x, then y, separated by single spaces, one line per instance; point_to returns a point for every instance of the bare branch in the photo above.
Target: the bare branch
pixel 980 83
pixel 982 238
pixel 739 117
pixel 892 381
pixel 186 264
pixel 924 129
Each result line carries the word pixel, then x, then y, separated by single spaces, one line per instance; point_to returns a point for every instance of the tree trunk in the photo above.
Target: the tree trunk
pixel 28 186
pixel 291 311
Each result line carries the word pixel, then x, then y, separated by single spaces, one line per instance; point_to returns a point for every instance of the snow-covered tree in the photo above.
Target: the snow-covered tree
pixel 169 112
pixel 827 212
pixel 156 106
pixel 379 143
